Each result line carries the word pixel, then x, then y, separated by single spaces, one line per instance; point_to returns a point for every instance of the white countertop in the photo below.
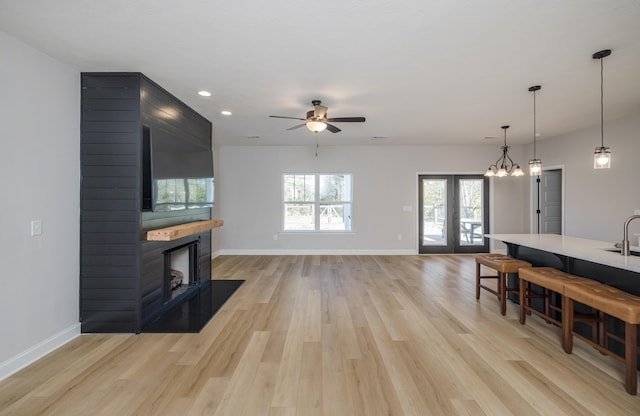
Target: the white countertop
pixel 579 248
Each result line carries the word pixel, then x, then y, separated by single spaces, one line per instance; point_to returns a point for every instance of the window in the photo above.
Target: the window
pixel 183 193
pixel 317 202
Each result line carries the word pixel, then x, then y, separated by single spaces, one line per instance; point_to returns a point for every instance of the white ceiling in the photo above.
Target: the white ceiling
pixel 420 71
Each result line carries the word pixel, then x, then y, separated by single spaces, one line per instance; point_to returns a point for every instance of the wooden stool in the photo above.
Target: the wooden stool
pixel 612 302
pixel 552 281
pixel 503 265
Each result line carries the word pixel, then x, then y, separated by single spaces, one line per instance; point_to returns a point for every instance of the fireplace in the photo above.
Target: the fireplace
pixel 181 271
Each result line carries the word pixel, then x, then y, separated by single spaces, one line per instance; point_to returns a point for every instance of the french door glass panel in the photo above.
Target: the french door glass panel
pixel 434 208
pixel 470 199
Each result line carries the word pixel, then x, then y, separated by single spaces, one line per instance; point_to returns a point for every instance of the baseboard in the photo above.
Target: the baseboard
pixel 316 252
pixel 20 361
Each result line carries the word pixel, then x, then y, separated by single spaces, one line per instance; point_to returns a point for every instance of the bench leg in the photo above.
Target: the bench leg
pixel 502 289
pixel 547 302
pixel 477 280
pixel 631 358
pixel 603 339
pixel 567 324
pixel 523 297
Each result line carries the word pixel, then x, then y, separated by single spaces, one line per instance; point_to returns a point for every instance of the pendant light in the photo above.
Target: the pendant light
pixel 505 163
pixel 602 155
pixel 535 164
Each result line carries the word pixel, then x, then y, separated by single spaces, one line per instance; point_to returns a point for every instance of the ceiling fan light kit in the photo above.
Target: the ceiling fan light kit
pixel 317 121
pixel 316 126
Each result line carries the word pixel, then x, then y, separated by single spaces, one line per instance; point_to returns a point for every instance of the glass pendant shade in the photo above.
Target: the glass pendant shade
pixel 602 158
pixel 316 126
pixel 535 167
pixel 489 172
pixel 517 172
pixel 502 172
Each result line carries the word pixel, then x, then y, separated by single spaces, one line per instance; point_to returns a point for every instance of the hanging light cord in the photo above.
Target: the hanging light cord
pixel 534 124
pixel 505 155
pixel 601 102
pixel 505 137
pixel 534 157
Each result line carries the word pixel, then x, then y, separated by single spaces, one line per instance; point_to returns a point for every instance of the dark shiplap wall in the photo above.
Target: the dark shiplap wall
pixel 110 210
pixel 121 274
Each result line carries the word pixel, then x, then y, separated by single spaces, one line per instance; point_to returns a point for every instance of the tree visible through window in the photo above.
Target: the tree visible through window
pixel 317 202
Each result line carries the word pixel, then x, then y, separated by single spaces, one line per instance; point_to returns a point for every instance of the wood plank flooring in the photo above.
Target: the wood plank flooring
pixel 332 335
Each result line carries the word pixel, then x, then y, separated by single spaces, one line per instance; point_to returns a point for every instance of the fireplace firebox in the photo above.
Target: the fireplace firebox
pixel 181 271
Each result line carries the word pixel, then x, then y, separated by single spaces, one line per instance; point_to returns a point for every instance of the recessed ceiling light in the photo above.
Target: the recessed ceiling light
pixel 204 93
pixel 225 112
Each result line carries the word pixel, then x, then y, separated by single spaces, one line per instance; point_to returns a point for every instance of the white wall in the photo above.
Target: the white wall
pixel 385 178
pixel 215 211
pixel 40 170
pixel 598 201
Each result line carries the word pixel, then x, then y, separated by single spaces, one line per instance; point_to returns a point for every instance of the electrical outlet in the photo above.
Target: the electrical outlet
pixel 36 227
pixel 636 212
pixel 399 237
pixel 275 237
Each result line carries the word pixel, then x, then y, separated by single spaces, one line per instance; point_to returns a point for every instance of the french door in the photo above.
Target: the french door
pixel 453 213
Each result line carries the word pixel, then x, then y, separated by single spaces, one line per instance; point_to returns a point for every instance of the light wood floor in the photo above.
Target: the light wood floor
pixel 332 335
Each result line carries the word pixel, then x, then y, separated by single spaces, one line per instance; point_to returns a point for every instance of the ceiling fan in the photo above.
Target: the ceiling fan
pixel 317 120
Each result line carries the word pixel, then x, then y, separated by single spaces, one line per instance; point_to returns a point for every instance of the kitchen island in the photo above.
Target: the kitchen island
pixel 578 256
pixel 579 248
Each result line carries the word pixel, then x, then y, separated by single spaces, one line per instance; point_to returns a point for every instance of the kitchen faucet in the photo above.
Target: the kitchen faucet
pixel 625 236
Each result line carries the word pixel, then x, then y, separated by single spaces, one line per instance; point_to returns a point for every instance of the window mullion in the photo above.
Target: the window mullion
pixel 317 202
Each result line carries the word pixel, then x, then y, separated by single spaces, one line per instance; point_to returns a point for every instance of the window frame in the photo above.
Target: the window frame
pixel 316 204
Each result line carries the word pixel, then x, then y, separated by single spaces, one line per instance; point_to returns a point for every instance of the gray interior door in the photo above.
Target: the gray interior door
pixel 550 217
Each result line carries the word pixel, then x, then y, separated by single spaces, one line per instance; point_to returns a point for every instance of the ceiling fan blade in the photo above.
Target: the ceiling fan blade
pixel 332 128
pixel 291 118
pixel 320 111
pixel 347 119
pixel 297 127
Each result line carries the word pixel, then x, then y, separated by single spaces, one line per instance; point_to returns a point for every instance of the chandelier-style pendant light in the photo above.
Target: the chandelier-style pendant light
pixel 535 164
pixel 507 166
pixel 602 155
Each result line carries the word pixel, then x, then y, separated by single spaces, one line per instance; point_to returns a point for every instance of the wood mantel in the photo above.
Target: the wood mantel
pixel 182 230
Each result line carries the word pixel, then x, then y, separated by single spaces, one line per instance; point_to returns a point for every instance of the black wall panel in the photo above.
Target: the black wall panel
pixel 121 273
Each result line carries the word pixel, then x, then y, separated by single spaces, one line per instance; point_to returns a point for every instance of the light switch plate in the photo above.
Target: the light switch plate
pixel 36 227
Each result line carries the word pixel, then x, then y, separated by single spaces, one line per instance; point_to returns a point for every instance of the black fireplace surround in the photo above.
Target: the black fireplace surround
pixel 122 275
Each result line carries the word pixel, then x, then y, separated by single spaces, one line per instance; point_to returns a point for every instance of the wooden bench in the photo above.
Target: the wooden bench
pixel 552 281
pixel 503 265
pixel 612 302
